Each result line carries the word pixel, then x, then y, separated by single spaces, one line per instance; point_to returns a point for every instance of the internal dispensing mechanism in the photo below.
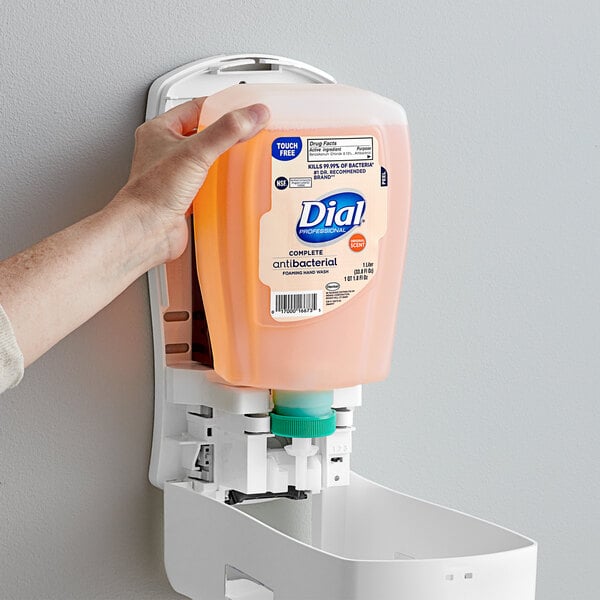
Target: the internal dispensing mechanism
pixel 296 234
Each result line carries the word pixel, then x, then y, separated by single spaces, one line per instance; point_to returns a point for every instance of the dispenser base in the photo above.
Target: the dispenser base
pixel 367 542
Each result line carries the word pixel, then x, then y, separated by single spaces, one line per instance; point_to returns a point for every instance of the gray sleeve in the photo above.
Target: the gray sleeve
pixel 11 358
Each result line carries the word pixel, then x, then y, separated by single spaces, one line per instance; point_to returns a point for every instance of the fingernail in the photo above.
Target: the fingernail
pixel 259 112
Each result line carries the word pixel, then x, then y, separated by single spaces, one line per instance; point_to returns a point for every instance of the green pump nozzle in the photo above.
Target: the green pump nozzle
pixel 302 414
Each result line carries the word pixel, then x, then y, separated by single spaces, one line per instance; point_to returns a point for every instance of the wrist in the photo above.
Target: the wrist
pixel 142 233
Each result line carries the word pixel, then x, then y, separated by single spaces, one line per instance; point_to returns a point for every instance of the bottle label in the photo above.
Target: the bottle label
pixel 319 243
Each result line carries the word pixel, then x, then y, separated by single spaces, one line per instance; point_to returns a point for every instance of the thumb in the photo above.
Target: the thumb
pixel 233 127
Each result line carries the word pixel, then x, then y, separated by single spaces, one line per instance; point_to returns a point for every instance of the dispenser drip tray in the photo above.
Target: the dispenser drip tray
pixel 357 542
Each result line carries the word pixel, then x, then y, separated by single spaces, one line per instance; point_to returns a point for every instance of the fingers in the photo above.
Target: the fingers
pixel 233 127
pixel 182 119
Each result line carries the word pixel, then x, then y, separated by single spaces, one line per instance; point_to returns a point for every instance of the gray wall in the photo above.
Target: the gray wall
pixel 492 405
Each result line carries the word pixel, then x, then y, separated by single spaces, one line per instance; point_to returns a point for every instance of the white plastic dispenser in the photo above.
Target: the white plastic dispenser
pixel 253 515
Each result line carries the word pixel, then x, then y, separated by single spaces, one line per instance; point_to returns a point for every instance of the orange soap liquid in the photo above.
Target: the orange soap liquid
pixel 349 345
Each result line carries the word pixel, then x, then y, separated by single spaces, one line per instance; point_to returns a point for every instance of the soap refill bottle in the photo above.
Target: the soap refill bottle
pixel 300 239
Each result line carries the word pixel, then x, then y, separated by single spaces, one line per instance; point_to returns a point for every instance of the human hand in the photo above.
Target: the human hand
pixel 170 163
pixel 71 275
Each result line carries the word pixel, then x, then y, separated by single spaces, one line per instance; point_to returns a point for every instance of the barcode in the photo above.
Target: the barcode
pixel 294 304
pixel 291 303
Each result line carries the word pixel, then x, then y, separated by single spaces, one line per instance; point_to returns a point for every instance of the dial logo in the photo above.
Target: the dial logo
pixel 331 217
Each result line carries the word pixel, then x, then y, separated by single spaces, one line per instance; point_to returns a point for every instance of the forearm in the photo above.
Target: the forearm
pixel 53 287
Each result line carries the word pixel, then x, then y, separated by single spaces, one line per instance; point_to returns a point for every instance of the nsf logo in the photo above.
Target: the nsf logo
pixel 281 183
